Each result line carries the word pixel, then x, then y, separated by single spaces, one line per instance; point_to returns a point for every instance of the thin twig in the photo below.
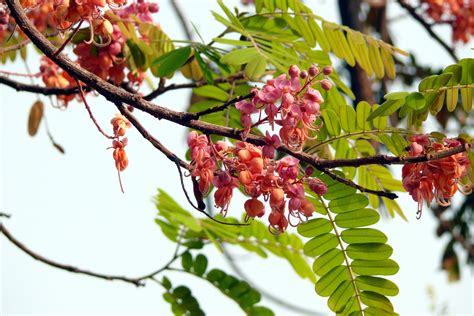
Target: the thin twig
pixel 36 256
pixel 84 100
pixel 68 40
pixel 19 86
pixel 428 28
pixel 222 107
pixel 162 89
pixel 182 19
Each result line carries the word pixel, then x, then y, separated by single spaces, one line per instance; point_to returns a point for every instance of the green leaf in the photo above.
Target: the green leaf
pixel 205 69
pixel 388 62
pixel 139 58
pixel 231 42
pixel 349 203
pixel 364 217
pixel 373 267
pixel 380 122
pixel 239 56
pixel 363 110
pixel 370 251
pixel 339 190
pixel 315 227
pixel 304 30
pixel 331 121
pixel 416 100
pixel 452 99
pixel 211 92
pixel 166 283
pixel 466 99
pixel 168 63
pixel 347 116
pixel 320 244
pixel 378 285
pixel 375 58
pixel 215 276
pixel 387 108
pixel 363 236
pixel 341 296
pixel 200 264
pixel 260 311
pixel 187 261
pixel 256 67
pixel 396 95
pixel 427 83
pixel 329 282
pixel 376 300
pixel 327 261
pixel 319 35
pixel 372 311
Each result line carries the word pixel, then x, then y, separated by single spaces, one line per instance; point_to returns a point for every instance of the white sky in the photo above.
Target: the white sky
pixel 70 209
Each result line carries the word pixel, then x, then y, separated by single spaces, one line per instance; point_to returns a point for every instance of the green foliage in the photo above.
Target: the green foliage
pixel 351 134
pixel 254 238
pixel 349 257
pixel 239 291
pixel 374 56
pixel 181 299
pixel 434 93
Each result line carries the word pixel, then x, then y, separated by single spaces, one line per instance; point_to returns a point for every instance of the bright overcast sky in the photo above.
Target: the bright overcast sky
pixel 69 208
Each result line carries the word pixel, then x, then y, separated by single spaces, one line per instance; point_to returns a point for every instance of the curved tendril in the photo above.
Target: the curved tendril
pixel 247 218
pixel 107 43
pixel 91 29
pixel 275 231
pixel 290 215
pixel 465 189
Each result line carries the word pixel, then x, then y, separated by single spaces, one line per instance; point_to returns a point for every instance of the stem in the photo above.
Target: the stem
pixel 346 258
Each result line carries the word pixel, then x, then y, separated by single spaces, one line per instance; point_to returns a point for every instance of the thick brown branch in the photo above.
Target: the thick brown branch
pixel 36 256
pixel 428 28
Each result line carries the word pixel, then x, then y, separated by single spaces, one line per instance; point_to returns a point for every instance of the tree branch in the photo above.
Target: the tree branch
pixel 155 142
pixel 19 86
pixel 394 160
pixel 428 28
pixel 119 95
pixel 36 256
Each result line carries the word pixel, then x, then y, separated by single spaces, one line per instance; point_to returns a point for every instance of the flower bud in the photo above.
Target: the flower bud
pixel 313 71
pixel 294 71
pixel 327 70
pixel 254 208
pixel 303 74
pixel 317 186
pixel 326 84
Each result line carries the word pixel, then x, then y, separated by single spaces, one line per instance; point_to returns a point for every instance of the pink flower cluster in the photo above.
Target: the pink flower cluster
pixel 288 104
pixel 142 9
pixel 107 62
pixel 439 179
pixel 253 169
